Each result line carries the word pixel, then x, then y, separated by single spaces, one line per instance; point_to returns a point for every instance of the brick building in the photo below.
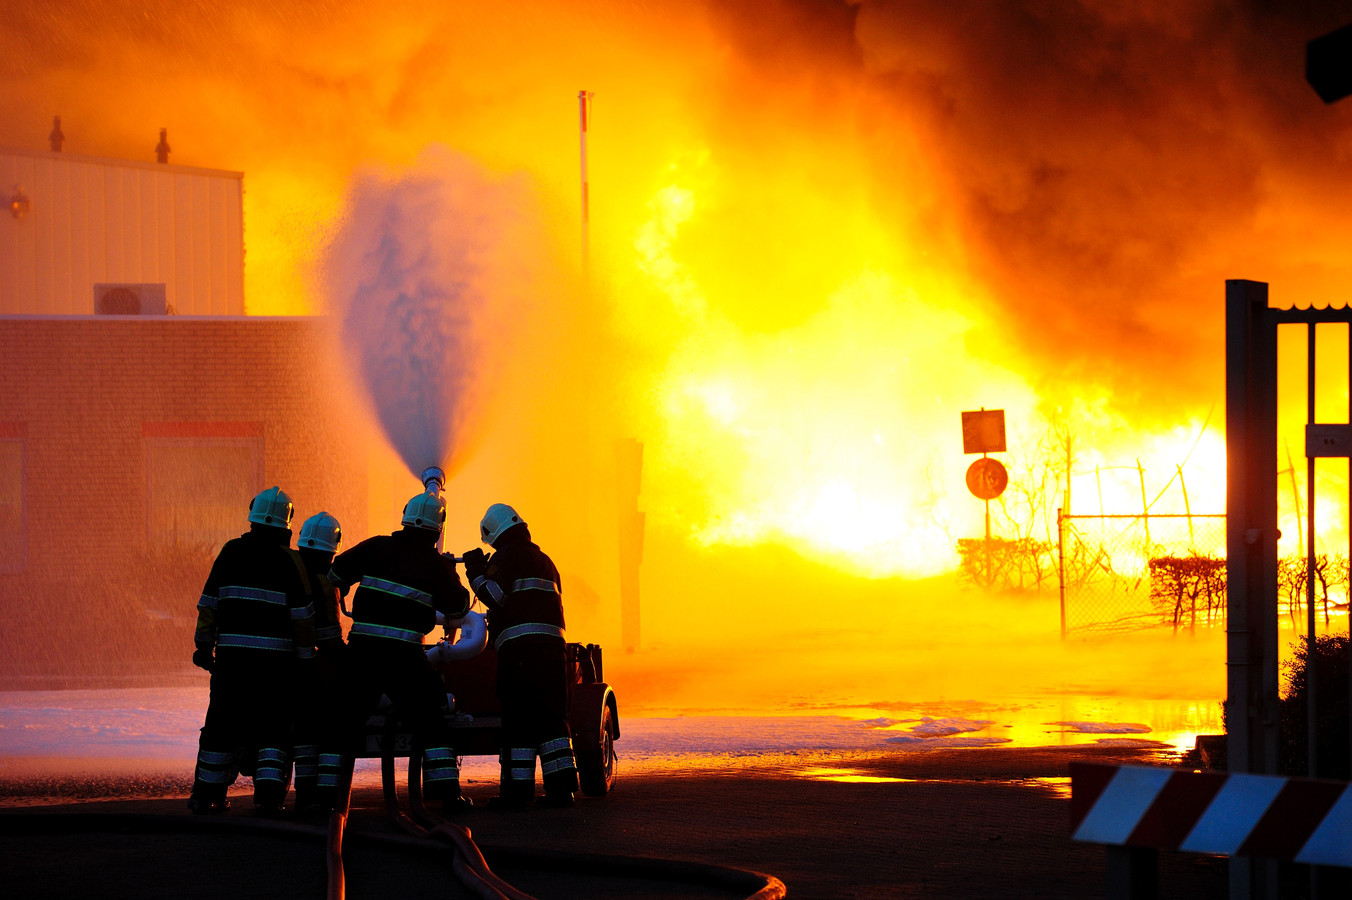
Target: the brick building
pixel 129 446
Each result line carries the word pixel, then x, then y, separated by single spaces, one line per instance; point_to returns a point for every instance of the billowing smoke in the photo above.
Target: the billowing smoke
pixel 423 260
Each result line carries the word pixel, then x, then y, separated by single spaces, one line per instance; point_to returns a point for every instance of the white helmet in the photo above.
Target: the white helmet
pixel 425 511
pixel 498 519
pixel 272 507
pixel 320 532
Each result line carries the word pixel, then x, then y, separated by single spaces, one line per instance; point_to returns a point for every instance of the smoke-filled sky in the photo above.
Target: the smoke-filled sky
pixel 820 230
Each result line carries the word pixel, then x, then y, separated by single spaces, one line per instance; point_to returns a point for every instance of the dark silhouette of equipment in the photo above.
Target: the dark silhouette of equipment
pixel 1328 64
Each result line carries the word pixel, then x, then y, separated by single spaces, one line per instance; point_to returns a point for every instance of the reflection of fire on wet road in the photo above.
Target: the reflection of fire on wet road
pixel 130 742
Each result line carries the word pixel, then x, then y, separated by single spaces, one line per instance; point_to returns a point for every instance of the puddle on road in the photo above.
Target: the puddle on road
pixel 849 776
pixel 1057 786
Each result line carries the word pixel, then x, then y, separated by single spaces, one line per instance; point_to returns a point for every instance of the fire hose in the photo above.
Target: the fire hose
pixel 749 884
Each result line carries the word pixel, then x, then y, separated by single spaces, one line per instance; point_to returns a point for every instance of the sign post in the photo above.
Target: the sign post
pixel 983 431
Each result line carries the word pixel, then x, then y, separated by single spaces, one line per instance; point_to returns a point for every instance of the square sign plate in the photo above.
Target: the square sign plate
pixel 983 431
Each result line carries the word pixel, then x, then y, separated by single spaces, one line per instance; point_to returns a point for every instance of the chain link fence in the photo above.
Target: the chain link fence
pixel 1123 573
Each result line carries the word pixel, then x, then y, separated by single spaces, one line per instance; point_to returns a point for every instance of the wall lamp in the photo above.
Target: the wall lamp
pixel 18 204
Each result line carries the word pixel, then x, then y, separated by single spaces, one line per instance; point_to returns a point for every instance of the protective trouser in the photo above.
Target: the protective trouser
pixel 248 711
pixel 533 688
pixel 315 711
pixel 399 670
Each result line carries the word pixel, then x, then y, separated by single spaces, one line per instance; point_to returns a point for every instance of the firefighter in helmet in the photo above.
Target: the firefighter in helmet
pixel 254 624
pixel 520 586
pixel 315 703
pixel 403 581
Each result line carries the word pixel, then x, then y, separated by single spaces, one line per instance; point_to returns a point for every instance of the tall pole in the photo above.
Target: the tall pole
pixel 1061 565
pixel 1311 682
pixel 583 113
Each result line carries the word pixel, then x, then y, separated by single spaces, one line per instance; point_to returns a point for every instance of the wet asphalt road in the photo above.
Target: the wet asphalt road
pixel 949 823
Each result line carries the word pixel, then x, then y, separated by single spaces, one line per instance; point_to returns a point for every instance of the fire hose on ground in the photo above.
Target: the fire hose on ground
pixel 422 830
pixel 752 885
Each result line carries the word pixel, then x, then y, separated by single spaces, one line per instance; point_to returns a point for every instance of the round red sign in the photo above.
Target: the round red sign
pixel 986 478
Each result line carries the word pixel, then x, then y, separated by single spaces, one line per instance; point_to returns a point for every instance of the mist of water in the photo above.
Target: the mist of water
pixel 413 272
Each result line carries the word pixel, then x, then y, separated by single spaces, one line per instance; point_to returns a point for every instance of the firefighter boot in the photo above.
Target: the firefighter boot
pixel 556 800
pixel 207 800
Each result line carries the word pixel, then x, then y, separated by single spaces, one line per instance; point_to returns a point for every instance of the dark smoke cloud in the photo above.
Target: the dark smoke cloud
pixel 1114 163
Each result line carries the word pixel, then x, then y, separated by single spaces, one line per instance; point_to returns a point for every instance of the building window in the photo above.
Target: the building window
pixel 201 478
pixel 13 508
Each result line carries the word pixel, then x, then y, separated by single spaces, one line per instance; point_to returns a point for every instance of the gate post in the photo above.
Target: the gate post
pixel 1251 552
pixel 1061 565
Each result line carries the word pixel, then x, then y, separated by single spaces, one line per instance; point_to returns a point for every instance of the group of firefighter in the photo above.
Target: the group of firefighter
pixel 287 689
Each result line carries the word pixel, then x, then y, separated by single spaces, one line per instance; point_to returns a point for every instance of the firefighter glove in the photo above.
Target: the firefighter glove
pixel 203 658
pixel 476 561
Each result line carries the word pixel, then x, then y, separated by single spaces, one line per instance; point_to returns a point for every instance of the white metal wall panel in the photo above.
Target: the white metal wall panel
pixel 96 208
pixel 9 236
pixel 149 225
pixel 201 245
pixel 61 257
pixel 234 250
pixel 79 231
pixel 97 220
pixel 44 217
pixel 28 239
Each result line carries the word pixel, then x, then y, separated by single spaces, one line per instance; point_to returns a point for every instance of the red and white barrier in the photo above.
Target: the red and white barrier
pixel 1302 819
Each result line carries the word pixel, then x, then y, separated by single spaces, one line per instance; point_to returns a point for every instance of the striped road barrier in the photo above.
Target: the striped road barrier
pixel 1135 811
pixel 1305 820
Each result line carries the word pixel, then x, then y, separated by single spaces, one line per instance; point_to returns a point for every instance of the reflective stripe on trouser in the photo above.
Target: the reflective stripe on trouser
pixel 440 770
pixel 558 766
pixel 556 756
pixel 330 767
pixel 273 765
pixel 518 772
pixel 215 768
pixel 307 766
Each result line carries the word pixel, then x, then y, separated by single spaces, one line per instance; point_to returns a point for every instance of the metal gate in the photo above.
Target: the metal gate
pixel 1252 713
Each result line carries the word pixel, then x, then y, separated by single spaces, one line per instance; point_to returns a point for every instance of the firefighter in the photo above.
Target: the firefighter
pixel 402 583
pixel 254 622
pixel 521 588
pixel 317 685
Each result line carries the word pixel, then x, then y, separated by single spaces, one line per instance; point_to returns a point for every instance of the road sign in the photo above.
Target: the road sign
pixel 986 478
pixel 983 431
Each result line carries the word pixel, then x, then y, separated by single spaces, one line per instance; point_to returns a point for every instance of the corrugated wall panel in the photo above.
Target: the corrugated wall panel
pixel 80 294
pixel 167 270
pixel 216 272
pixel 133 209
pixel 44 215
pixel 183 245
pixel 61 233
pixel 148 185
pixel 97 201
pixel 116 254
pixel 9 240
pixel 201 246
pixel 234 246
pixel 27 292
pixel 95 221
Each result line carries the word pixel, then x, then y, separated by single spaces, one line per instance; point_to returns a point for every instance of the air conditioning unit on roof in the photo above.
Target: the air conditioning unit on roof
pixel 130 300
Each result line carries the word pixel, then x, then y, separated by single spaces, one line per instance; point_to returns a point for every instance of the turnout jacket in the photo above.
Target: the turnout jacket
pixel 523 593
pixel 328 630
pixel 257 598
pixel 402 583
